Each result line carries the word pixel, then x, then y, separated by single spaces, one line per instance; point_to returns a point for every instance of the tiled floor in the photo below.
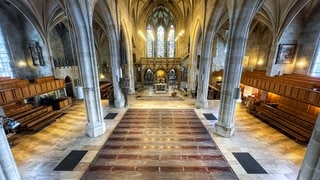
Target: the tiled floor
pixel 160 144
pixel 38 154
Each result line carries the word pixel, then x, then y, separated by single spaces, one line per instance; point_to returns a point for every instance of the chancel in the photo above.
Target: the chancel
pixel 165 89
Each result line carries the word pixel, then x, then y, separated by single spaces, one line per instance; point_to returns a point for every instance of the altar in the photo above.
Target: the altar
pixel 161 87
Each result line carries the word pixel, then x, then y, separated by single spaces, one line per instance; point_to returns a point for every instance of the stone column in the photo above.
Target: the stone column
pixel 8 166
pixel 131 77
pixel 192 73
pixel 310 168
pixel 81 12
pixel 271 70
pixel 119 100
pixel 241 14
pixel 193 70
pixel 203 82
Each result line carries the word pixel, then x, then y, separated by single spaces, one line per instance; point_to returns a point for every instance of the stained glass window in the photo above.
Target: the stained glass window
pixel 171 42
pixel 5 66
pixel 160 41
pixel 150 40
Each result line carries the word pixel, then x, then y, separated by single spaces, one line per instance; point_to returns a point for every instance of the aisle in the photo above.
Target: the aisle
pixel 159 144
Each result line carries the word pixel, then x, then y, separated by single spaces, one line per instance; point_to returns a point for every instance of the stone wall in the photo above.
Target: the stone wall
pixel 72 72
pixel 18 32
pixel 308 43
pixel 291 35
pixel 258 48
pixel 56 45
pixel 104 62
pixel 264 50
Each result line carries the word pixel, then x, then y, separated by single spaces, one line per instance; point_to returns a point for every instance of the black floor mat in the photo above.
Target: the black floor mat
pixel 249 163
pixel 110 116
pixel 70 161
pixel 209 116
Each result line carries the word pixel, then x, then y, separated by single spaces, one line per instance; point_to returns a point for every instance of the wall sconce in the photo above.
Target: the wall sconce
pixel 301 63
pixel 22 64
pixel 260 62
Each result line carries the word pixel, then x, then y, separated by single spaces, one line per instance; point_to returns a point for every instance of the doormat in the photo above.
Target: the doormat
pixel 70 161
pixel 209 116
pixel 249 163
pixel 110 116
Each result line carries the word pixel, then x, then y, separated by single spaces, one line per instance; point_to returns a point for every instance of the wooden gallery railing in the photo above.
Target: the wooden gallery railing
pixel 18 89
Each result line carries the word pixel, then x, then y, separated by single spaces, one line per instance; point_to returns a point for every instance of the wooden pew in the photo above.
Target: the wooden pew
pixel 16 108
pixel 48 119
pixel 106 88
pixel 298 127
pixel 32 116
pixel 37 118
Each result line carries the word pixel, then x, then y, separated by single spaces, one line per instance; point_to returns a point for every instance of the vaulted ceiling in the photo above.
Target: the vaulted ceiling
pixel 276 14
pixel 140 9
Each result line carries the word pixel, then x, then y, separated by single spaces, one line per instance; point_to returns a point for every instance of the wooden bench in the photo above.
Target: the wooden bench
pixel 300 128
pixel 32 116
pixel 106 88
pixel 213 92
pixel 26 113
pixel 49 118
pixel 37 118
pixel 16 108
pixel 43 117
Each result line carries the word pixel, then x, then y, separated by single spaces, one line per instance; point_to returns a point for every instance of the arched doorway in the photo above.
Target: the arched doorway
pixel 172 76
pixel 148 78
pixel 69 88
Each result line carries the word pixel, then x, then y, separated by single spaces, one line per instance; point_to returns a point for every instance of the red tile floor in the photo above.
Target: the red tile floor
pixel 159 144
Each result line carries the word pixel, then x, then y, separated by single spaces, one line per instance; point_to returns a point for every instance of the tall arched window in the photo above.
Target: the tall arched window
pixel 171 42
pixel 150 40
pixel 5 66
pixel 160 41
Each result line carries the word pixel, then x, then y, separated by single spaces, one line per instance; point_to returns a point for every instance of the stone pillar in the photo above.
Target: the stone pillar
pixel 241 14
pixel 203 82
pixel 310 168
pixel 81 12
pixel 119 100
pixel 192 73
pixel 8 166
pixel 271 70
pixel 131 77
